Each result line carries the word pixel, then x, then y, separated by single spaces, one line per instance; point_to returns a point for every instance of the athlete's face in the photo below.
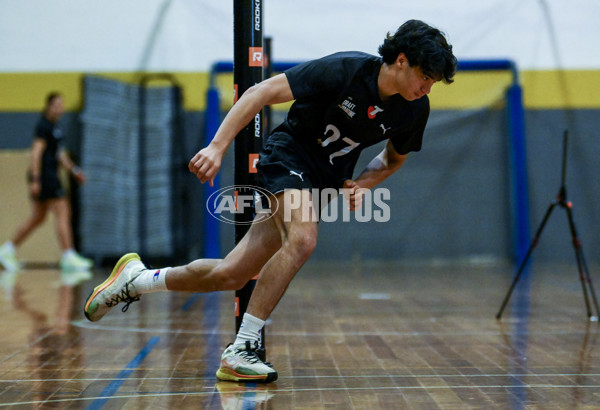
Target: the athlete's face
pixel 55 109
pixel 411 83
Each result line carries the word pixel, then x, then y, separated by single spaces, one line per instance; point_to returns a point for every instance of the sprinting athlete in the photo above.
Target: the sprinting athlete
pixel 344 103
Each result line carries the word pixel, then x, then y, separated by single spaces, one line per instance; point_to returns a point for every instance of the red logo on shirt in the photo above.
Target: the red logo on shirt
pixel 373 110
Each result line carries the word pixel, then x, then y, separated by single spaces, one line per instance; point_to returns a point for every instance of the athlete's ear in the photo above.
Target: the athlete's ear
pixel 401 59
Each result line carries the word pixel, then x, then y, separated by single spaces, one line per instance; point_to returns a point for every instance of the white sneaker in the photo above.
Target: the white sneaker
pixel 116 289
pixel 8 258
pixel 74 261
pixel 241 364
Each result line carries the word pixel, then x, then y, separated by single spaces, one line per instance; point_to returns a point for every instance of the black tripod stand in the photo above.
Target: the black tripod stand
pixel 584 274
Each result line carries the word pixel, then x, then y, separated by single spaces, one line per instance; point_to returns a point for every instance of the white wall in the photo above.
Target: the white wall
pixel 188 35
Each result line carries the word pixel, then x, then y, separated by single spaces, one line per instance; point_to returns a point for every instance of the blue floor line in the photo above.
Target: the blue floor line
pixel 190 302
pixel 112 388
pixel 211 320
pixel 211 313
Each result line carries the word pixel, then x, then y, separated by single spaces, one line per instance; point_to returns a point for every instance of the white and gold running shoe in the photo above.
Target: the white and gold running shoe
pixel 116 289
pixel 241 363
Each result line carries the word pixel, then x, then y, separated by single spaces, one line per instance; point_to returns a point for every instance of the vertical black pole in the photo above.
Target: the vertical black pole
pixel 247 71
pixel 268 72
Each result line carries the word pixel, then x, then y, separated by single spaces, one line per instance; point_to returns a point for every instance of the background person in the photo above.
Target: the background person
pixel 46 191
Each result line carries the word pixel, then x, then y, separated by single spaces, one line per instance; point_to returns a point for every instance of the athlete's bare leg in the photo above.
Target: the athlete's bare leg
pixel 275 247
pixel 37 216
pixel 231 273
pixel 298 228
pixel 62 217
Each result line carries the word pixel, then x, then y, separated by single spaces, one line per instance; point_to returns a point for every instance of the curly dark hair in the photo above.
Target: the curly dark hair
pixel 424 46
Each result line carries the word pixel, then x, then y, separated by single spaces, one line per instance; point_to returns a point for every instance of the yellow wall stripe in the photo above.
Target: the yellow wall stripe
pixel 578 89
pixel 541 90
pixel 26 92
pixel 558 89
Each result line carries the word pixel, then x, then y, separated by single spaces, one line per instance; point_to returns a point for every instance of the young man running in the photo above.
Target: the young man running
pixel 344 103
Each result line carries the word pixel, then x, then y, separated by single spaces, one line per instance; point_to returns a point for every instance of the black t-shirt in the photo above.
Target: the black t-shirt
pixel 338 112
pixel 51 133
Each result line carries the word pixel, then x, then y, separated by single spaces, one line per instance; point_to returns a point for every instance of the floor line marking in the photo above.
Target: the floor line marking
pixel 82 324
pixel 317 389
pixel 112 388
pixel 387 376
pixel 190 302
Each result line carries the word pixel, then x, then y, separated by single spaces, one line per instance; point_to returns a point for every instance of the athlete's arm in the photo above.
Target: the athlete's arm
pixel 206 163
pixel 70 166
pixel 382 166
pixel 37 150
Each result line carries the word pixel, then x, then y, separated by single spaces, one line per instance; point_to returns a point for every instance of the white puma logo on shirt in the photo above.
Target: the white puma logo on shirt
pixel 384 128
pixel 299 175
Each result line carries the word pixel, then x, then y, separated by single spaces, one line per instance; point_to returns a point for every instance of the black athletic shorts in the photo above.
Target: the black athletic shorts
pixel 284 163
pixel 51 188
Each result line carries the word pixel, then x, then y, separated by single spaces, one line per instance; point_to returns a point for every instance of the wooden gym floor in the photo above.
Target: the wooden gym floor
pixel 350 337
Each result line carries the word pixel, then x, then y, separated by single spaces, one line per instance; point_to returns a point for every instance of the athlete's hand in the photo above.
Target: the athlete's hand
pixel 206 164
pixel 35 188
pixel 353 194
pixel 79 175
